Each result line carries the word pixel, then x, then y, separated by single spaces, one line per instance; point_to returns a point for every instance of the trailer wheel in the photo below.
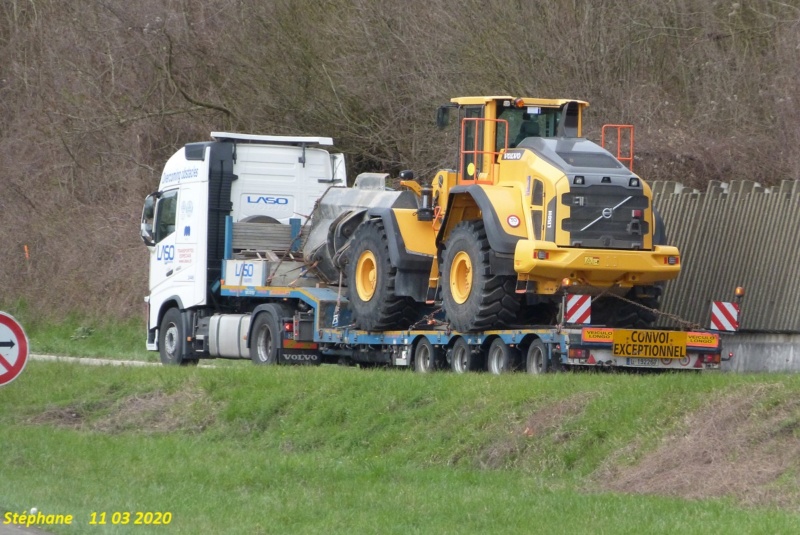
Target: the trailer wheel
pixel 473 297
pixel 266 336
pixel 170 340
pixel 501 357
pixel 536 358
pixel 426 357
pixel 370 280
pixel 463 359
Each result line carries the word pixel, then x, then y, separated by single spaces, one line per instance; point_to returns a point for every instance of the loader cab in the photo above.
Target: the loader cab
pixel 488 126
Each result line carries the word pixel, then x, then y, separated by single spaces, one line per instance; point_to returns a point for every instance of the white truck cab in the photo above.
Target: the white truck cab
pixel 251 178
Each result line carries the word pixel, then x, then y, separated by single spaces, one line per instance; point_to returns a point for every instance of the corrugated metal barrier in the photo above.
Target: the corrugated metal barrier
pixel 737 234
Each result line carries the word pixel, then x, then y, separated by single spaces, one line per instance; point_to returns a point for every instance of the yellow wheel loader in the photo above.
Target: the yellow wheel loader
pixel 530 208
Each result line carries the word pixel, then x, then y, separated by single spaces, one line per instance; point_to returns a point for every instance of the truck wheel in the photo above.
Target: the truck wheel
pixel 266 336
pixel 473 297
pixel 501 357
pixel 463 359
pixel 170 340
pixel 370 280
pixel 536 359
pixel 426 357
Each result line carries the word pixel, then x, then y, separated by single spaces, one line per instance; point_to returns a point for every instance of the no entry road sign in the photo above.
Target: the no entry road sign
pixel 13 349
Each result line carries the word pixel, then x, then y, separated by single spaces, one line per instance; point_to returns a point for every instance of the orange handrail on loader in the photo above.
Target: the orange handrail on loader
pixel 477 152
pixel 620 127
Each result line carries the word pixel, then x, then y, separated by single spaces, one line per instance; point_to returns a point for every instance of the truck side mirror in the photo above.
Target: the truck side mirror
pixel 442 116
pixel 148 213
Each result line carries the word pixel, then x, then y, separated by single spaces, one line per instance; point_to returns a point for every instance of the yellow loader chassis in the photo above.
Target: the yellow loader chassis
pixel 594 267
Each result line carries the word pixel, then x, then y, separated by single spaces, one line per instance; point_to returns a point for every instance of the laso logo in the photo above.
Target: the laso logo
pixel 261 199
pixel 165 253
pixel 244 270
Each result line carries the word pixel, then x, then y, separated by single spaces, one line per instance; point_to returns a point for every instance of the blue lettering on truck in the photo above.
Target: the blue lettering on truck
pixel 178 176
pixel 165 253
pixel 261 199
pixel 244 270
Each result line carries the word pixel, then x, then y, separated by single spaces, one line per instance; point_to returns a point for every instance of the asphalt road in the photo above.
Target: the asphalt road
pixel 93 362
pixel 11 529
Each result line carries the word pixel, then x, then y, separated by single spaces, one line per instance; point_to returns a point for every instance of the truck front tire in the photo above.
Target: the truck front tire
pixel 171 339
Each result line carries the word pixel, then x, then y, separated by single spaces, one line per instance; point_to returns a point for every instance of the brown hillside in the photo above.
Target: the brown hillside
pixel 96 95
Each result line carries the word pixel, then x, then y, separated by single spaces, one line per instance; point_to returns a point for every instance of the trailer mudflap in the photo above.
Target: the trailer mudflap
pixel 295 352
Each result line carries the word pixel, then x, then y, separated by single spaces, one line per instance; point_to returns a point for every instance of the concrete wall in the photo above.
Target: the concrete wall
pixel 762 352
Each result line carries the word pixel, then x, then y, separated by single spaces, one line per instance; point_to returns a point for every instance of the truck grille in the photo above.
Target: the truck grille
pixel 601 216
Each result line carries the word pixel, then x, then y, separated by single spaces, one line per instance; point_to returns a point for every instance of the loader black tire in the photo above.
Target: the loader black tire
pixel 473 297
pixel 614 312
pixel 371 282
pixel 544 314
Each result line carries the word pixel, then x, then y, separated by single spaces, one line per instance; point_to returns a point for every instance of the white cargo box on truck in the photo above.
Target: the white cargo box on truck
pixel 280 177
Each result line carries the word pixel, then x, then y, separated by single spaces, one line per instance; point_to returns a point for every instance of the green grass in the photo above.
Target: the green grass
pixel 342 450
pixel 85 337
pixel 81 336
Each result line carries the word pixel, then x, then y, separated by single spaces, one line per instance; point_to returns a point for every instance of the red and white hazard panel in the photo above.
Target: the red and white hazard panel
pixel 579 309
pixel 724 316
pixel 13 349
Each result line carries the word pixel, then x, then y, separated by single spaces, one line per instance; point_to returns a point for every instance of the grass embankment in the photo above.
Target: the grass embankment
pixel 327 450
pixel 82 336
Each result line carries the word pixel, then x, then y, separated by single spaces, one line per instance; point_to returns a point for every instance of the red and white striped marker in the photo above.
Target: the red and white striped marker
pixel 579 309
pixel 724 316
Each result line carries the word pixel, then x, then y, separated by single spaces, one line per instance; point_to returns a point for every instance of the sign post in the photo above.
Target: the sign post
pixel 13 349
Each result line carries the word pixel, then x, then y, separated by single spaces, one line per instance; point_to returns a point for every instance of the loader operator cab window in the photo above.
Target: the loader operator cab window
pixel 514 118
pixel 529 121
pixel 166 208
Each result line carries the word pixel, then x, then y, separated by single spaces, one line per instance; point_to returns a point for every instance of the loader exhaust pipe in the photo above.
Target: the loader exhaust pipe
pixel 425 210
